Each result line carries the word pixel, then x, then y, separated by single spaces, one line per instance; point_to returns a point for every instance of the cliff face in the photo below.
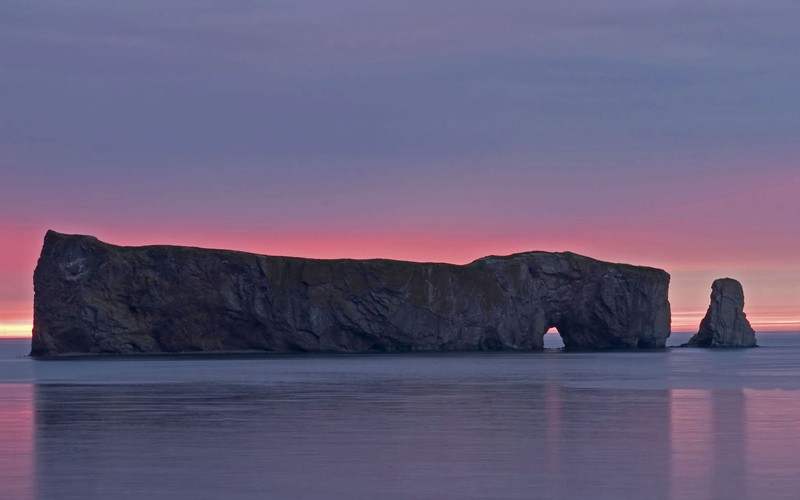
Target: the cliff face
pixel 92 297
pixel 725 324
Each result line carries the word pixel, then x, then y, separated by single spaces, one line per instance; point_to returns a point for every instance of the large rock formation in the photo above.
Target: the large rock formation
pixel 725 324
pixel 92 297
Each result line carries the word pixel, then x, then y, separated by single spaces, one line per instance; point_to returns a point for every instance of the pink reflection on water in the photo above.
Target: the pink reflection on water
pixel 16 440
pixel 553 418
pixel 773 440
pixel 691 440
pixel 738 443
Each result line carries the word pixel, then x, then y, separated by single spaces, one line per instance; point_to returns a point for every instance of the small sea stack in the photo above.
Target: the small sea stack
pixel 725 324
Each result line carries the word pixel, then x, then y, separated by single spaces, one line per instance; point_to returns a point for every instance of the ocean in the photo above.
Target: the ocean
pixel 672 424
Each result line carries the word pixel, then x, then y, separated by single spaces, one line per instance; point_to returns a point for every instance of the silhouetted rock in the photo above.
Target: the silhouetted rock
pixel 725 324
pixel 92 297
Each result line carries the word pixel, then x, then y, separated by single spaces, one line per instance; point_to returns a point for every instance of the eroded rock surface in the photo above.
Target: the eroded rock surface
pixel 725 324
pixel 92 297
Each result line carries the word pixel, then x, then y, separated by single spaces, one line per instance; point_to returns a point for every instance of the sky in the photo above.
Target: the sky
pixel 660 133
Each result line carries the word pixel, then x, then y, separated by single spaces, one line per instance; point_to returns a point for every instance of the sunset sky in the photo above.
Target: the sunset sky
pixel 662 133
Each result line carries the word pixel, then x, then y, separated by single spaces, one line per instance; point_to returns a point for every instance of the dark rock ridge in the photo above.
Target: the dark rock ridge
pixel 725 324
pixel 92 297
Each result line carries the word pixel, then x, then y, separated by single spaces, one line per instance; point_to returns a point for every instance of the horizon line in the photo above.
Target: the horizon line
pixel 19 330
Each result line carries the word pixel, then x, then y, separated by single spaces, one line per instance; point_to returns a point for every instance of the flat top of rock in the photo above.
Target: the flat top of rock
pixel 52 236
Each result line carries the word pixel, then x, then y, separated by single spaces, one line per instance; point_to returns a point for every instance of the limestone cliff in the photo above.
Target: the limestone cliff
pixel 725 324
pixel 92 297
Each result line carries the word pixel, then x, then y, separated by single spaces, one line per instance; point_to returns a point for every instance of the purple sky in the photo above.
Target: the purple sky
pixel 662 133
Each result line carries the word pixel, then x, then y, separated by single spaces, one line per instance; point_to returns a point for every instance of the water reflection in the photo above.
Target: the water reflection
pixel 402 440
pixel 730 450
pixel 772 420
pixel 692 443
pixel 16 440
pixel 709 451
pixel 399 439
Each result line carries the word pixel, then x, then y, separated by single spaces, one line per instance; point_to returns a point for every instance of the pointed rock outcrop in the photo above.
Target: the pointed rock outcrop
pixel 725 324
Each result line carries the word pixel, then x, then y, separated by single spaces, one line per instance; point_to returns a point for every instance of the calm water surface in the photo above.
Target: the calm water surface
pixel 673 424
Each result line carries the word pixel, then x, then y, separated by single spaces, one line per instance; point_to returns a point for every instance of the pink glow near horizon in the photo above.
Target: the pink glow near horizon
pixel 698 230
pixel 772 295
pixel 435 131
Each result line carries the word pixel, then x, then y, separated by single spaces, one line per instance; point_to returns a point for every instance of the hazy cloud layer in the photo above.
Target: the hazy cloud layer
pixel 251 81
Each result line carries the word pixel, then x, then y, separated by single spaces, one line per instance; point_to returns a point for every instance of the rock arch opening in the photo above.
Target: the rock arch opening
pixel 553 339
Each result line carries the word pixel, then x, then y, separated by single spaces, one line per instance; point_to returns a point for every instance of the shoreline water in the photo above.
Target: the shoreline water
pixel 553 343
pixel 669 424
